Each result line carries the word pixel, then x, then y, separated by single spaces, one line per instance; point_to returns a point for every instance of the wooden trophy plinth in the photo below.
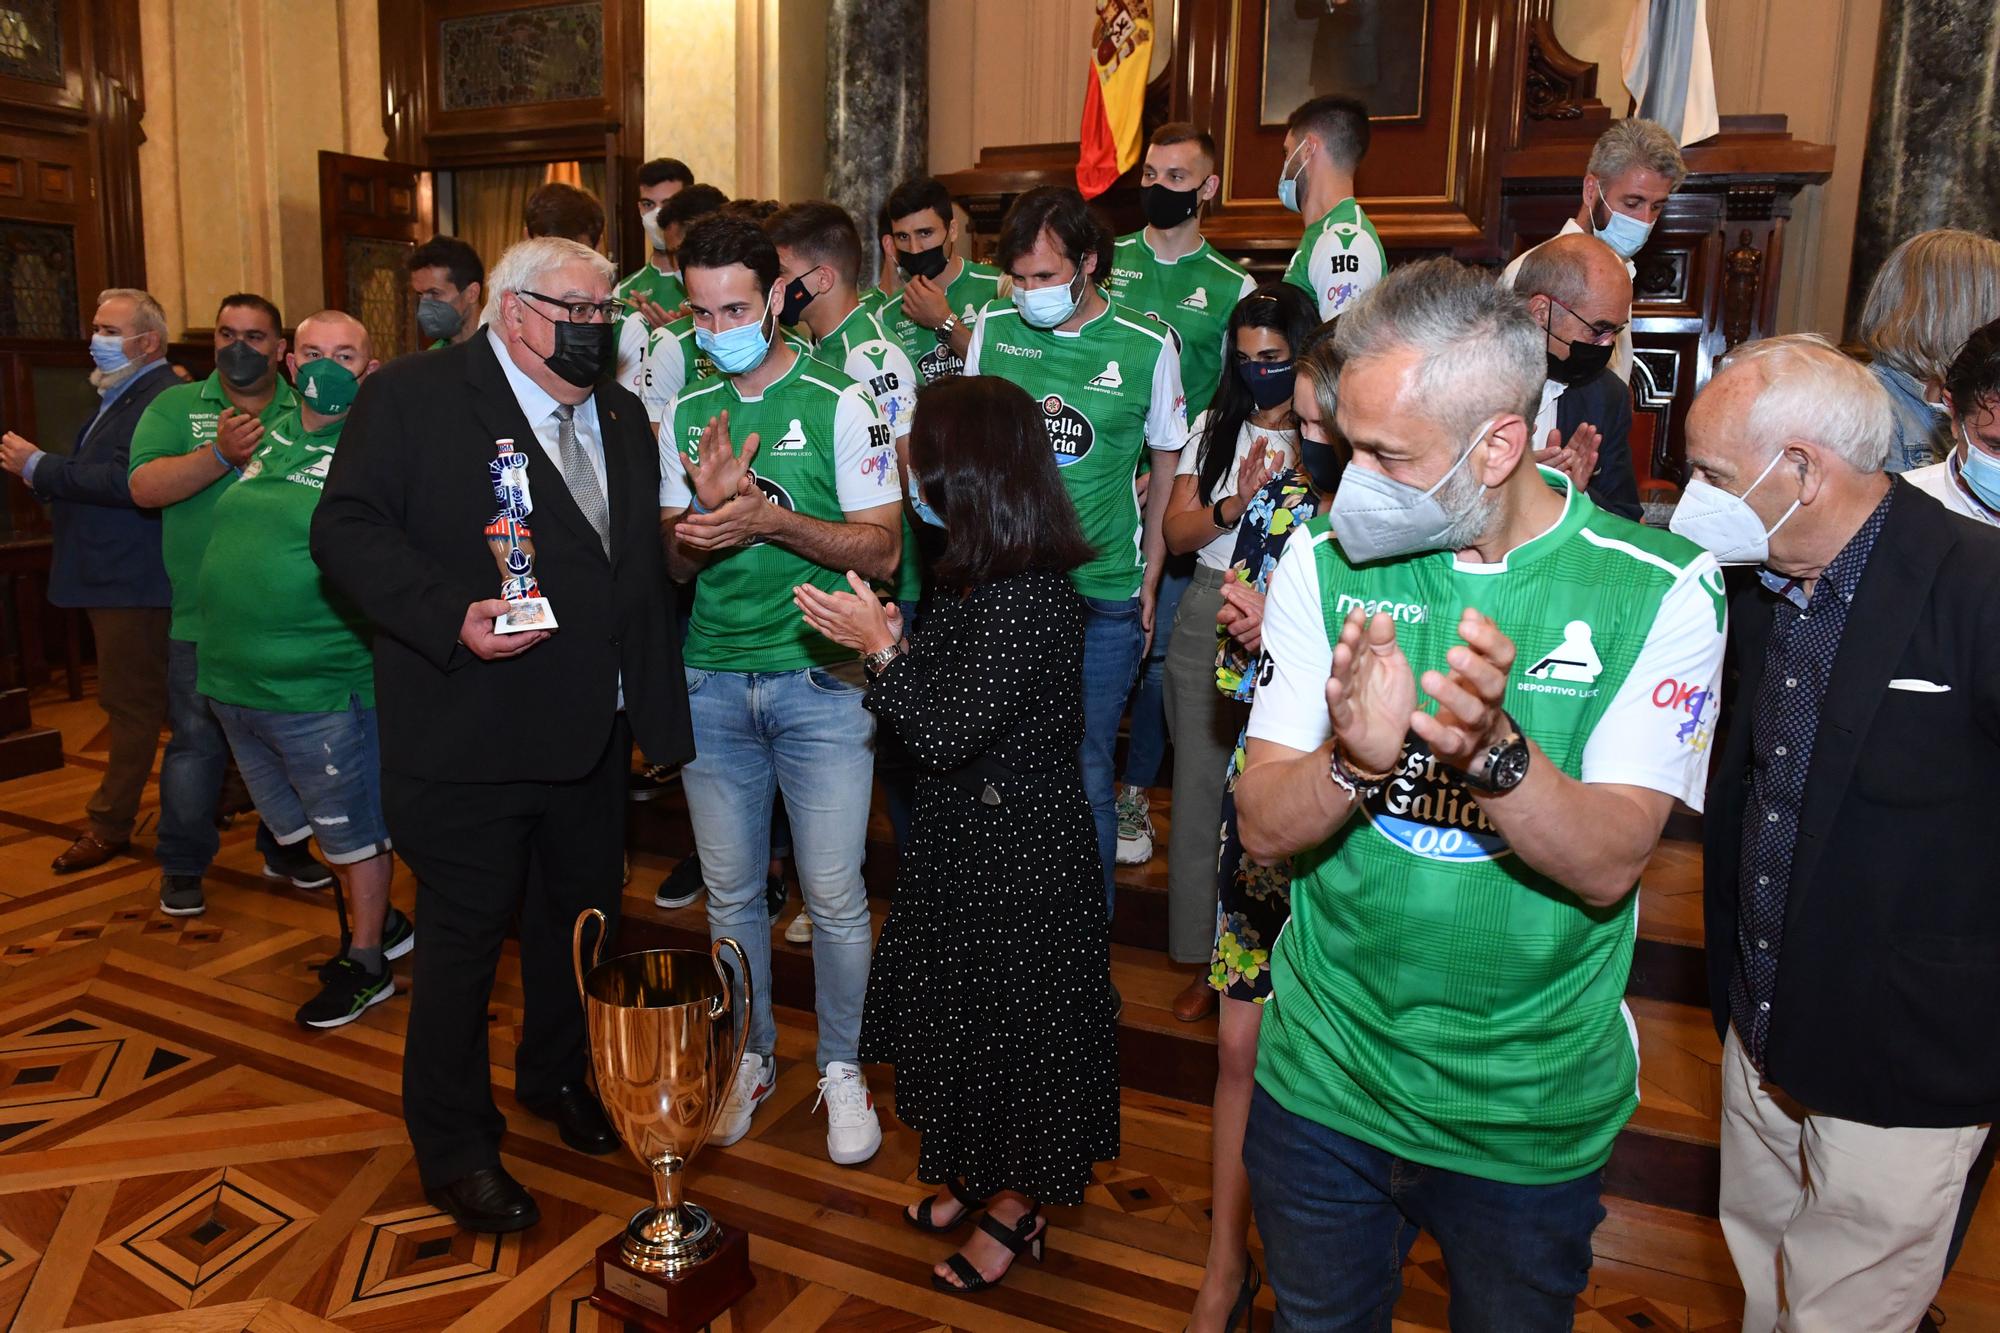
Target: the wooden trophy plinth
pixel 684 1304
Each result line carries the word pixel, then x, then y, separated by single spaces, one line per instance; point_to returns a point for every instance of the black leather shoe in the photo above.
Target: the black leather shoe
pixel 488 1200
pixel 575 1111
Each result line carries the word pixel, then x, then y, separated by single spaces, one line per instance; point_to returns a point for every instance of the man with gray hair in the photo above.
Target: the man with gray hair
pixel 504 750
pixel 108 561
pixel 1480 700
pixel 1853 932
pixel 1634 167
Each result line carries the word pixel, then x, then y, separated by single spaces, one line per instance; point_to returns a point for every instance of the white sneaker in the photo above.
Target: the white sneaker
pixel 1135 827
pixel 801 929
pixel 853 1132
pixel 755 1078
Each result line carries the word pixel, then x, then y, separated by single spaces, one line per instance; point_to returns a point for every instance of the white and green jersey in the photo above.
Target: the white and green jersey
pixel 823 451
pixel 1338 258
pixel 1195 294
pixel 1108 392
pixel 656 364
pixel 861 349
pixel 665 288
pixel 967 295
pixel 1433 995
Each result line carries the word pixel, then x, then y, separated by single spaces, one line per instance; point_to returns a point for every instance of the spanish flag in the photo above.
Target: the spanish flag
pixel 1121 52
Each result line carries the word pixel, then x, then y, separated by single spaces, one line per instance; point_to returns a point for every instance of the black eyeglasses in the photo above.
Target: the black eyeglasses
pixel 584 312
pixel 1602 331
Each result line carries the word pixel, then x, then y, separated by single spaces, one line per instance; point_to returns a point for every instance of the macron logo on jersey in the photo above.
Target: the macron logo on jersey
pixel 1409 613
pixel 1108 378
pixel 793 441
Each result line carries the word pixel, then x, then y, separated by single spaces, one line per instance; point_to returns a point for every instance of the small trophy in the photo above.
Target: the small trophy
pixel 513 545
pixel 664 1062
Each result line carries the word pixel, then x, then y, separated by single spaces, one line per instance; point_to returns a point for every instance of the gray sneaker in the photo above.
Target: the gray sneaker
pixel 1135 827
pixel 180 895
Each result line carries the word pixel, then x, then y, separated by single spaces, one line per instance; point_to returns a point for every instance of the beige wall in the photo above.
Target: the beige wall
pixel 241 96
pixel 1005 72
pixel 1810 60
pixel 692 114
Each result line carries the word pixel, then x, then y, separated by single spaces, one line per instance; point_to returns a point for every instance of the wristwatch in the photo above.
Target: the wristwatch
pixel 1215 516
pixel 1506 763
pixel 946 329
pixel 877 662
pixel 1357 784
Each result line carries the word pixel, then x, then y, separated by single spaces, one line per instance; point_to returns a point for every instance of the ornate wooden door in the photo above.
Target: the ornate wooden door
pixel 372 213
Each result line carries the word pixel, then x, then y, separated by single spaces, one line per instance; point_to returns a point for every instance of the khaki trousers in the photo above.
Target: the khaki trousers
pixel 1835 1226
pixel 132 691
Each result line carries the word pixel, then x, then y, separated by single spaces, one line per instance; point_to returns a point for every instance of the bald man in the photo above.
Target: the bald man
pixel 1581 294
pixel 287 665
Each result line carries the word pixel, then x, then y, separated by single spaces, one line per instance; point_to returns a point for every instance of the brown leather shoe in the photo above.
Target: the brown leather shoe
pixel 1196 1001
pixel 88 853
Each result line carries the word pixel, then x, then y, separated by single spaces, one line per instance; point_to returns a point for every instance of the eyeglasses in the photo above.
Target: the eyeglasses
pixel 584 312
pixel 1602 331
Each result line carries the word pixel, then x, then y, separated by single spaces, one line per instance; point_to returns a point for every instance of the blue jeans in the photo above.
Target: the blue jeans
pixel 191 772
pixel 313 773
pixel 805 734
pixel 1338 1217
pixel 1111 642
pixel 1147 745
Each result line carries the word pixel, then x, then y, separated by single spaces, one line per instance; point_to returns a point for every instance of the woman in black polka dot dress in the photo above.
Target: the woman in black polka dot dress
pixel 990 989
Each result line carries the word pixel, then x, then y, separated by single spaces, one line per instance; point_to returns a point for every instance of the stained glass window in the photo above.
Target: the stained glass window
pixel 37 281
pixel 31 41
pixel 378 292
pixel 521 57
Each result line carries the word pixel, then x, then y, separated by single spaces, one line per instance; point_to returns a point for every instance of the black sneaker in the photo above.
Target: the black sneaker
pixel 775 894
pixel 180 895
pixel 399 936
pixel 650 780
pixel 297 867
pixel 682 885
pixel 346 990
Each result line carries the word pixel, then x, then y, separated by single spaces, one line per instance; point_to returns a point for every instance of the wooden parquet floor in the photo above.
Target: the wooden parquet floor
pixel 175 1154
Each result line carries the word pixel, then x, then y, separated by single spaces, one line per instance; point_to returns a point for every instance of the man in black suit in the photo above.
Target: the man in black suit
pixel 504 755
pixel 1853 928
pixel 107 559
pixel 1580 294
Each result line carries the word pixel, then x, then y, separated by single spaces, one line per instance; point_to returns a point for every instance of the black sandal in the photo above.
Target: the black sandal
pixel 921 1219
pixel 1027 1234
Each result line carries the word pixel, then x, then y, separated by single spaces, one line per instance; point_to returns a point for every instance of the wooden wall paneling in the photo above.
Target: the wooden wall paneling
pixel 117 104
pixel 405 78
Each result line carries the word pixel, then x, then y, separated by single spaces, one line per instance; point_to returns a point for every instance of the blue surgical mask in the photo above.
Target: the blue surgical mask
pixel 1627 235
pixel 1288 181
pixel 1980 471
pixel 737 351
pixel 108 351
pixel 1378 518
pixel 1046 307
pixel 918 505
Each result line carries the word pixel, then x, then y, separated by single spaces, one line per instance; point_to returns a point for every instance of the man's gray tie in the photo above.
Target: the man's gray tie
pixel 574 460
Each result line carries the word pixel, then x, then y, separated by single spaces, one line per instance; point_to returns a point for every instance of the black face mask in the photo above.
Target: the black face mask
pixel 797 297
pixel 1321 463
pixel 583 353
pixel 241 365
pixel 1585 361
pixel 1269 382
pixel 923 263
pixel 1166 209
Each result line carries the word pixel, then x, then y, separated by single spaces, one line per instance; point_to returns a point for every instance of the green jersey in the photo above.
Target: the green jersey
pixel 968 293
pixel 823 451
pixel 1108 392
pixel 1434 995
pixel 664 288
pixel 275 635
pixel 1193 294
pixel 1338 258
pixel 873 299
pixel 178 422
pixel 859 348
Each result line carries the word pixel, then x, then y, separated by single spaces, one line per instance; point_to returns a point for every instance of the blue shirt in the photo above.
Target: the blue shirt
pixel 104 402
pixel 1784 720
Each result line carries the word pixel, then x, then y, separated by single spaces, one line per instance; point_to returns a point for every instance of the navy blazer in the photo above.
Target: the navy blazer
pixel 1604 401
pixel 107 552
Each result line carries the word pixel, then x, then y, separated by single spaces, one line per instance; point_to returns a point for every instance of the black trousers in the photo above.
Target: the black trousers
pixel 485 854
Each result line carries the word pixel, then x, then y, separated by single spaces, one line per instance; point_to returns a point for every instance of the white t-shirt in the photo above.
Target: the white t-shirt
pixel 1281 446
pixel 1941 483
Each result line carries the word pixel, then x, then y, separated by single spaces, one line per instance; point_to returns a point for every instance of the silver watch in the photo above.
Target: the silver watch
pixel 950 326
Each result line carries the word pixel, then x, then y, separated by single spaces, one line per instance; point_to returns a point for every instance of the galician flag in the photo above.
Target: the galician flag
pixel 1121 52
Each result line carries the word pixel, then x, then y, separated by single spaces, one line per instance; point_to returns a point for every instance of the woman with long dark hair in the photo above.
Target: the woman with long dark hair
pixel 1248 433
pixel 990 990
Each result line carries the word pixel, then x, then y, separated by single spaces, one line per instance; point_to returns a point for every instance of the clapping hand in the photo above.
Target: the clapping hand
pixel 1256 469
pixel 1372 692
pixel 1578 459
pixel 717 473
pixel 855 620
pixel 656 315
pixel 237 435
pixel 1471 700
pixel 1242 613
pixel 15 452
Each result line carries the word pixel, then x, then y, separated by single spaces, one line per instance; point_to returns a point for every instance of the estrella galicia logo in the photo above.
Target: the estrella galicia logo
pixel 1426 808
pixel 940 362
pixel 1070 432
pixel 773 493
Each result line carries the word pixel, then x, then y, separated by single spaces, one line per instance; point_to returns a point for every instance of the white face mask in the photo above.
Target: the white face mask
pixel 1378 518
pixel 1726 524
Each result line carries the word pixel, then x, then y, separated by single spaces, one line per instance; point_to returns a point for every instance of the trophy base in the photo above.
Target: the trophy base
pixel 528 613
pixel 684 1304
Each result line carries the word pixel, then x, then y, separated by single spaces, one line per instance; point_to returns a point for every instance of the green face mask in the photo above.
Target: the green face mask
pixel 327 387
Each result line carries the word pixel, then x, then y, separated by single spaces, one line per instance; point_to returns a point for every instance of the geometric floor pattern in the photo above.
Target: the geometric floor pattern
pixel 176 1154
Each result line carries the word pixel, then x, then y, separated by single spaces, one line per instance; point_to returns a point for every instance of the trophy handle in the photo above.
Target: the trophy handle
pixel 720 1006
pixel 576 947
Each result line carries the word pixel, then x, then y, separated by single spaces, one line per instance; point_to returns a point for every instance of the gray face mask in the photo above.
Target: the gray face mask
pixel 1377 518
pixel 438 319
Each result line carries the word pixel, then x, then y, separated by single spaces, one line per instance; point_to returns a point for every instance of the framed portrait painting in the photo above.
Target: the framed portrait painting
pixel 1368 49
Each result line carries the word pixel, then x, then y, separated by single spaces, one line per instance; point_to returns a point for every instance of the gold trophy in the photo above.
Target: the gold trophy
pixel 657 1045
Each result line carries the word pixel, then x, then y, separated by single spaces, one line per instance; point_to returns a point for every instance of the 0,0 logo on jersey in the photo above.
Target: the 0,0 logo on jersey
pixel 1070 433
pixel 1426 808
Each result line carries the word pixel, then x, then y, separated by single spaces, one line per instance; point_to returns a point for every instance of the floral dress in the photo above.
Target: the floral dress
pixel 1254 901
